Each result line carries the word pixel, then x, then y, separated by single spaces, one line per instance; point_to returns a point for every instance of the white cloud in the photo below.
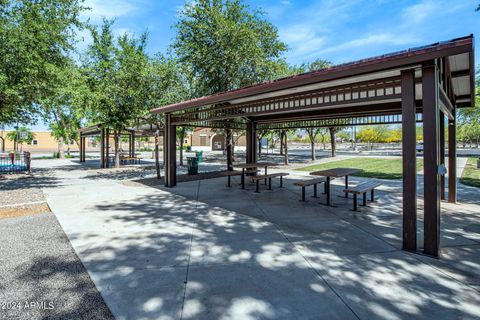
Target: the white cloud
pixel 109 8
pixel 286 2
pixel 302 39
pixel 420 11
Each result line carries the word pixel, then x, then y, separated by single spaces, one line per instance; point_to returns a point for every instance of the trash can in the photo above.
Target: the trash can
pixel 192 165
pixel 189 148
pixel 199 155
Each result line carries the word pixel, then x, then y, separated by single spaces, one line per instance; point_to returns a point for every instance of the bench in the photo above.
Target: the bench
pixel 363 188
pixel 310 182
pixel 269 177
pixel 229 174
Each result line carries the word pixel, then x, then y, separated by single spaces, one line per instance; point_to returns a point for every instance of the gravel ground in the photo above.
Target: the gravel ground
pixel 41 277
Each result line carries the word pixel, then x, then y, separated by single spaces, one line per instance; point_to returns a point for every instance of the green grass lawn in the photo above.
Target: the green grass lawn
pixel 470 174
pixel 371 167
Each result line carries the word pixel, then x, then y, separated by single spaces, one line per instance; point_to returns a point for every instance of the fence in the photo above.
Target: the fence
pixel 15 162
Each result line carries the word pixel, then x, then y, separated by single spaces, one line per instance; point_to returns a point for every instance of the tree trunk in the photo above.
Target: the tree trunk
pixel 312 144
pixel 333 142
pixel 286 148
pixel 3 144
pixel 61 148
pixel 116 139
pixel 229 147
pixel 259 147
pixel 281 142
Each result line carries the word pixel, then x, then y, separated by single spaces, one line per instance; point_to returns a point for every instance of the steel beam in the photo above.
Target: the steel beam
pixel 431 159
pixel 102 148
pixel 442 153
pixel 107 148
pixel 409 161
pixel 170 152
pixel 452 160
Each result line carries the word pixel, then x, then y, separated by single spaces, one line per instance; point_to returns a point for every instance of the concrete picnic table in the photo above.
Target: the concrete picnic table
pixel 254 165
pixel 334 173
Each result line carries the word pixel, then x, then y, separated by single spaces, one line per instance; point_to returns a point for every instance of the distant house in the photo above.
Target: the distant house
pixel 43 142
pixel 208 140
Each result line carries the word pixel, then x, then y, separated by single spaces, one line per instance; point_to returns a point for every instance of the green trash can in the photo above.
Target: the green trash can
pixel 189 148
pixel 199 155
pixel 192 165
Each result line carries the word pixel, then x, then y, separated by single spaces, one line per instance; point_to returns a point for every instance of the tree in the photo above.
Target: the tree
pixel 35 38
pixel 118 81
pixel 20 136
pixel 333 141
pixel 312 136
pixel 63 109
pixel 371 134
pixel 226 45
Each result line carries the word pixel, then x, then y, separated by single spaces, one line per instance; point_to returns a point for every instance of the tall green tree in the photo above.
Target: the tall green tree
pixel 64 108
pixel 35 38
pixel 226 44
pixel 118 81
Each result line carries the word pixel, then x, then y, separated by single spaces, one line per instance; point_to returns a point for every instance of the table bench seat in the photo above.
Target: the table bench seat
pixel 310 182
pixel 363 188
pixel 269 176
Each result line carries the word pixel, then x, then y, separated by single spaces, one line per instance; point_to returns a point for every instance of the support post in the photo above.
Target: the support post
pixel 170 152
pixel 442 153
pixel 251 138
pixel 452 159
pixel 133 144
pixel 157 161
pixel 431 159
pixel 102 148
pixel 81 148
pixel 229 148
pixel 409 161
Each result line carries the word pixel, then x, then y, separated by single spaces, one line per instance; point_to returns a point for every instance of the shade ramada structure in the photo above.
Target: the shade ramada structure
pixel 425 84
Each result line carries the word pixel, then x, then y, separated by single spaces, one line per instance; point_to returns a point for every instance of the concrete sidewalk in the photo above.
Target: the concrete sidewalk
pixel 204 251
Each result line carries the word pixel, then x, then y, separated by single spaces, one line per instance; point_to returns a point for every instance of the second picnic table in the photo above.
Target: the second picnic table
pixel 334 173
pixel 244 166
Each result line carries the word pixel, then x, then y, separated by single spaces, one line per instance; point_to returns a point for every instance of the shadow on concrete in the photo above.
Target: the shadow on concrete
pixel 219 252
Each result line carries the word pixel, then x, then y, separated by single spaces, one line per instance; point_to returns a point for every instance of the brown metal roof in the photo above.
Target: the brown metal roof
pixel 379 63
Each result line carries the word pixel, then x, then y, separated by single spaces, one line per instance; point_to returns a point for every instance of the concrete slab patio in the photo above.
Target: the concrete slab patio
pixel 205 251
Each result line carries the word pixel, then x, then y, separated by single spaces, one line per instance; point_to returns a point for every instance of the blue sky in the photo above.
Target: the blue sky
pixel 339 31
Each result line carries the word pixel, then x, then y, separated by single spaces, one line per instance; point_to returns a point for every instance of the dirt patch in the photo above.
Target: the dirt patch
pixel 24 210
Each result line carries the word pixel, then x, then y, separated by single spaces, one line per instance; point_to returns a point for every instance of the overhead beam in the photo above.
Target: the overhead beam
pixel 460 73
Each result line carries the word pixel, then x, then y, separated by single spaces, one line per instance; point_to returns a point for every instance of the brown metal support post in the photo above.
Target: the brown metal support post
pixel 102 148
pixel 157 162
pixel 133 144
pixel 170 153
pixel 229 138
pixel 452 159
pixel 254 142
pixel 249 137
pixel 107 148
pixel 409 161
pixel 442 153
pixel 84 148
pixel 431 159
pixel 81 148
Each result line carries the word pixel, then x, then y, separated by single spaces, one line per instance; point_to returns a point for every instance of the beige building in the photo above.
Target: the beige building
pixel 208 140
pixel 43 142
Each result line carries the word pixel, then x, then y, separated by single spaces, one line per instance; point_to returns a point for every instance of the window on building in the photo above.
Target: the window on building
pixel 34 142
pixel 203 140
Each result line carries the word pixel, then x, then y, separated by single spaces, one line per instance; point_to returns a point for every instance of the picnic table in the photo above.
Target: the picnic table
pixel 256 165
pixel 334 173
